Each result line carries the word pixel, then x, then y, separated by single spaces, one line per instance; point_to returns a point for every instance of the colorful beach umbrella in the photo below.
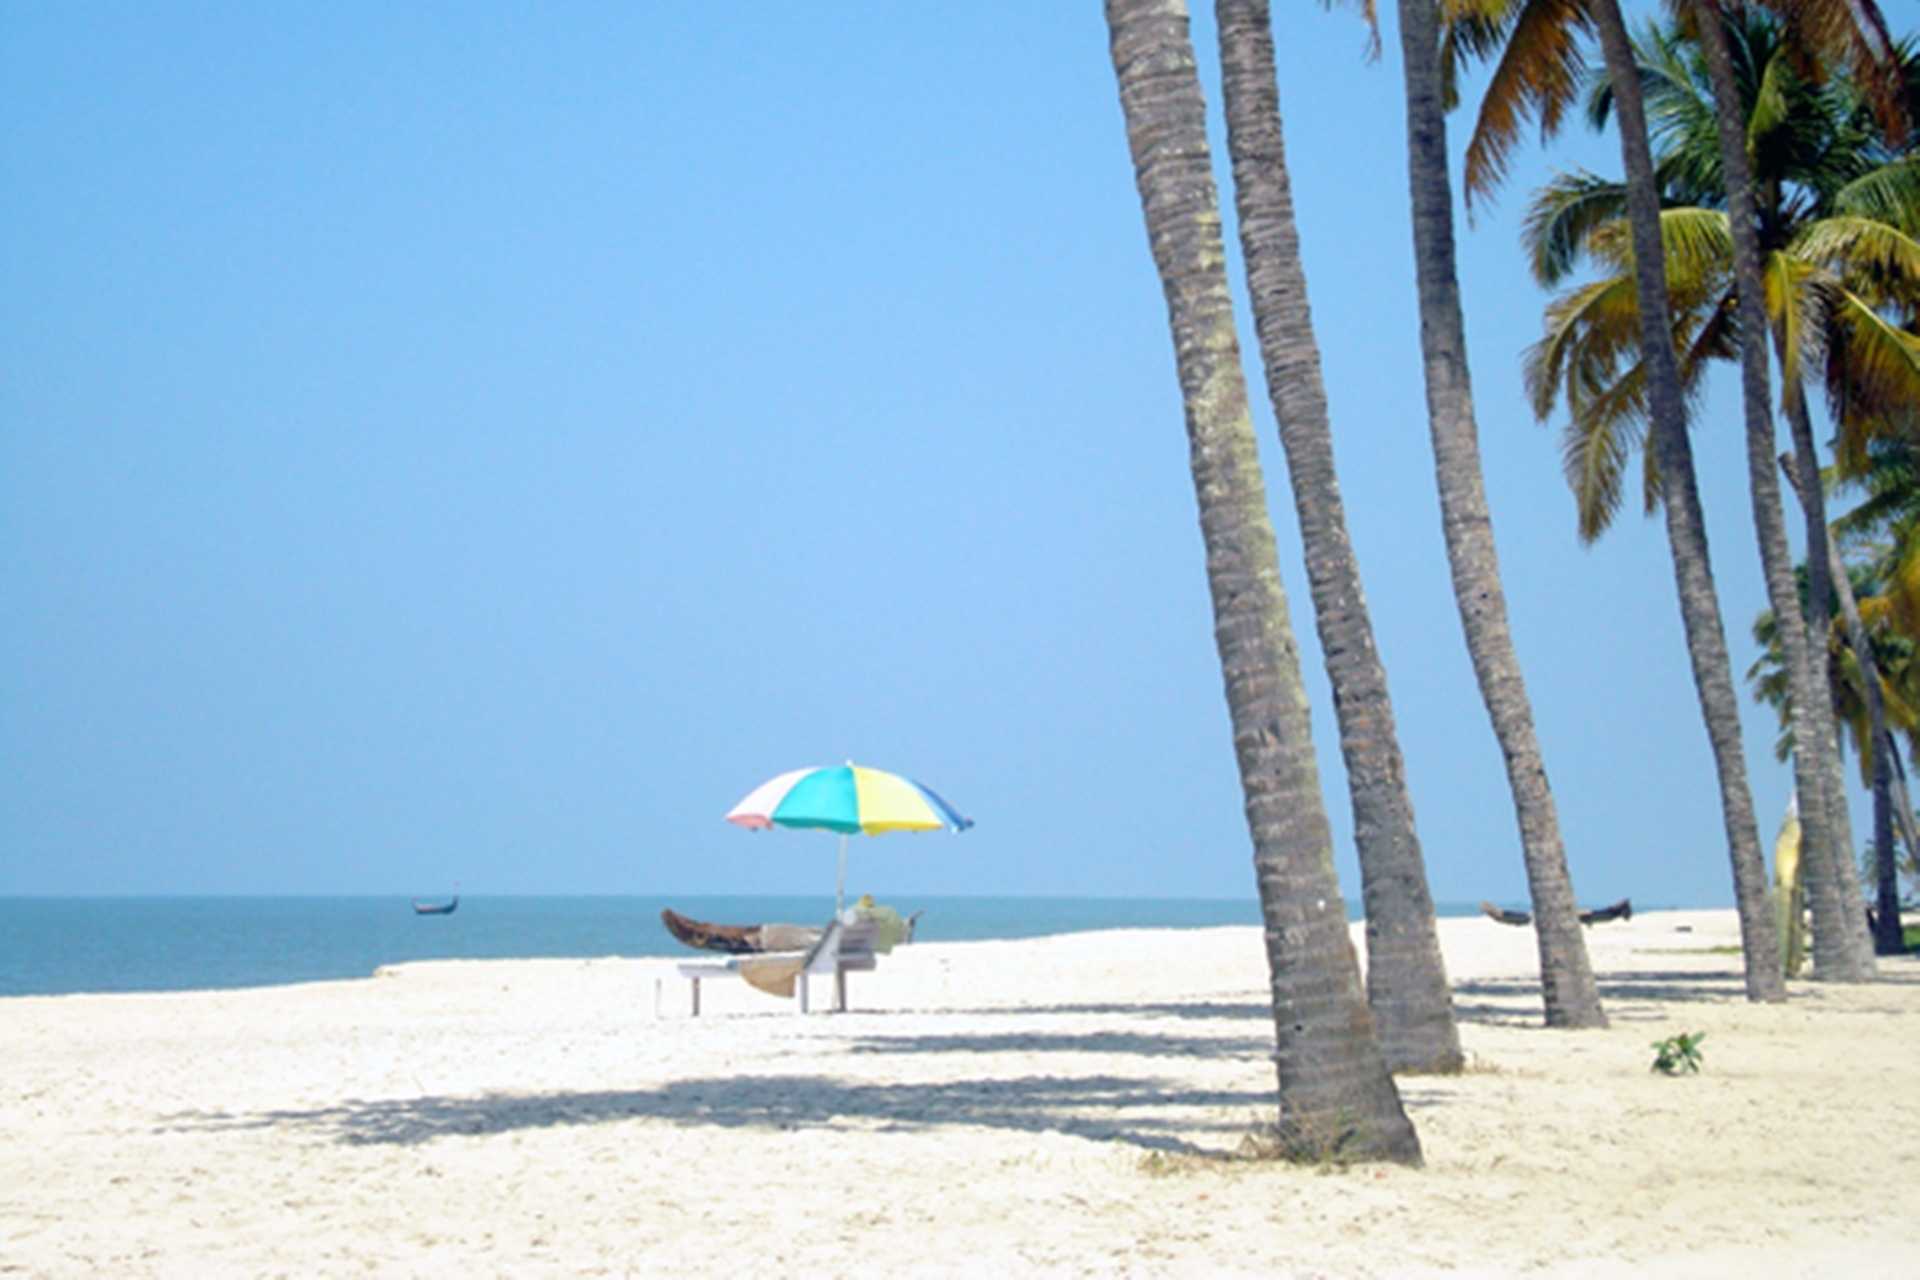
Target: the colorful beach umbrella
pixel 849 799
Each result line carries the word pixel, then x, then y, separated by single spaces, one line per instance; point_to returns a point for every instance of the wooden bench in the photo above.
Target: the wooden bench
pixel 842 949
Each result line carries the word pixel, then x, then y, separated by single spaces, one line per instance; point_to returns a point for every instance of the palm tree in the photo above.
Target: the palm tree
pixel 1570 994
pixel 1871 726
pixel 1686 524
pixel 1586 349
pixel 1776 560
pixel 1875 682
pixel 1893 506
pixel 1537 73
pixel 1823 33
pixel 1337 1098
pixel 1406 975
pixel 1764 978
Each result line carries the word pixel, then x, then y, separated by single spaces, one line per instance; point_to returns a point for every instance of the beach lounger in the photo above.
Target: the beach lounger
pixel 842 949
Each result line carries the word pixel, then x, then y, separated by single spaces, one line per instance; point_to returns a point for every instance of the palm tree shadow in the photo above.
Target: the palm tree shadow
pixel 1194 1009
pixel 1516 1002
pixel 1142 1044
pixel 1131 1110
pixel 1671 986
pixel 1490 1014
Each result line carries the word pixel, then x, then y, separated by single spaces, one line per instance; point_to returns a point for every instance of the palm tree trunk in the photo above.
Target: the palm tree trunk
pixel 1566 975
pixel 1686 527
pixel 1888 937
pixel 1759 936
pixel 1903 818
pixel 1337 1099
pixel 1833 882
pixel 1902 804
pixel 1805 466
pixel 1406 975
pixel 1888 940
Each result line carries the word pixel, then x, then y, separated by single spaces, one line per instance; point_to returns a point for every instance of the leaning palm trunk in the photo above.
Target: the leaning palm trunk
pixel 1903 818
pixel 1902 803
pixel 1566 975
pixel 1890 804
pixel 1842 951
pixel 1406 976
pixel 1337 1099
pixel 1686 527
pixel 1888 938
pixel 1758 934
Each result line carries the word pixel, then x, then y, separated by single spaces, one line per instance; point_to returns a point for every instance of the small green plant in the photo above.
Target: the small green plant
pixel 1677 1055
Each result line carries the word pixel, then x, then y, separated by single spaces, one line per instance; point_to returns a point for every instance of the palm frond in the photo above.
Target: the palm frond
pixel 1794 312
pixel 1772 106
pixel 1698 246
pixel 1875 611
pixel 1563 214
pixel 1889 194
pixel 1681 124
pixel 1873 256
pixel 1596 446
pixel 1853 34
pixel 1903 588
pixel 1898 709
pixel 1866 523
pixel 1873 374
pixel 1891 504
pixel 1471 31
pixel 1590 333
pixel 1850 709
pixel 1716 338
pixel 1536 78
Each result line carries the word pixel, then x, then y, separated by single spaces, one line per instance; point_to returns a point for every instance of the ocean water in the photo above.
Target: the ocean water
pixel 60 946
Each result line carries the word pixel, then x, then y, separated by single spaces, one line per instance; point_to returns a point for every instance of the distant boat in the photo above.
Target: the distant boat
pixel 437 908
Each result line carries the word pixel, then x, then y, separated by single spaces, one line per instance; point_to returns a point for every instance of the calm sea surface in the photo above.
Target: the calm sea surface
pixel 57 946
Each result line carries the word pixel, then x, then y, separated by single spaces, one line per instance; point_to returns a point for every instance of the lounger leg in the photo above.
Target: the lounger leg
pixel 696 996
pixel 800 992
pixel 839 990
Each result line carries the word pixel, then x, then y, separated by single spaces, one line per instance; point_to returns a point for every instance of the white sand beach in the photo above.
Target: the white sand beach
pixel 1051 1107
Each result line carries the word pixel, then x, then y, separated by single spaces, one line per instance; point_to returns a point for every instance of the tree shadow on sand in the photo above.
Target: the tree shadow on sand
pixel 1204 1010
pixel 1135 1111
pixel 1515 1002
pixel 1142 1044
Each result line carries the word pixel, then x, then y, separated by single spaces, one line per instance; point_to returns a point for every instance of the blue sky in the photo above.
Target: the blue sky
pixel 479 443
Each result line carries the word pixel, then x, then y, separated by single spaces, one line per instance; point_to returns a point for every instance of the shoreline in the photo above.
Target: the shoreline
pixel 1067 1105
pixel 114 946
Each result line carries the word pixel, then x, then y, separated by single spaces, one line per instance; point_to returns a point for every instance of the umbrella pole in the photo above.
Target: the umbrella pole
pixel 840 884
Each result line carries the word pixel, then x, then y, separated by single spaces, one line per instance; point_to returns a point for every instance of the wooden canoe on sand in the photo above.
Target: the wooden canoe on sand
pixel 738 939
pixel 1621 910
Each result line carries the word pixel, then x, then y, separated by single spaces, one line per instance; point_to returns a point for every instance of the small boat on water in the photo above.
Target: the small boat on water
pixel 437 908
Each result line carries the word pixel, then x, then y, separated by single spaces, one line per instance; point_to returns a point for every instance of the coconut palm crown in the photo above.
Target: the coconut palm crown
pixel 1839 222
